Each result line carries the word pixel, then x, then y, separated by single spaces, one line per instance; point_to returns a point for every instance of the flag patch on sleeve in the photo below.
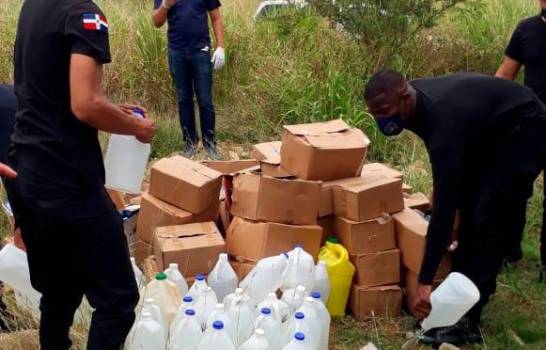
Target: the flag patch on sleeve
pixel 94 21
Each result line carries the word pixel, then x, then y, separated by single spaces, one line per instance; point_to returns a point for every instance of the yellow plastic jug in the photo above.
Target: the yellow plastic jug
pixel 340 272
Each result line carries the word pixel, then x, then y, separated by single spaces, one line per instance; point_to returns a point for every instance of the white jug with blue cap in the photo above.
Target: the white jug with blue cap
pixel 187 303
pixel 299 342
pixel 217 339
pixel 187 334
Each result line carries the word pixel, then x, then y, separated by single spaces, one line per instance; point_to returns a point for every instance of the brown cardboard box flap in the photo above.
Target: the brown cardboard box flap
pixel 417 201
pixel 377 269
pixel 264 198
pixel 273 170
pixel 270 151
pixel 253 241
pixel 332 126
pixel 192 172
pixel 232 167
pixel 372 169
pixel 326 135
pixel 327 197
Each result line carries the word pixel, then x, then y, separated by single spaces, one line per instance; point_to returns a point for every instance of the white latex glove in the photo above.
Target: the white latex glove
pixel 218 58
pixel 168 3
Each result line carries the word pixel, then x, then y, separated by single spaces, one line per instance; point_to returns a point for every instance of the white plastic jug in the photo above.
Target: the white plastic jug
pixel 187 303
pixel 258 341
pixel 451 301
pixel 187 334
pixel 220 314
pixel 298 324
pixel 239 293
pixel 205 305
pixel 243 318
pixel 299 342
pixel 312 320
pixel 14 271
pixel 300 270
pixel 148 334
pixel 271 327
pixel 223 279
pixel 265 277
pixel 280 310
pixel 125 161
pixel 150 306
pixel 294 298
pixel 139 276
pixel 322 281
pixel 175 276
pixel 166 296
pixel 197 287
pixel 324 317
pixel 217 339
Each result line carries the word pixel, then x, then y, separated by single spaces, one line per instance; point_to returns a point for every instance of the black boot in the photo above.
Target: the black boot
pixel 464 332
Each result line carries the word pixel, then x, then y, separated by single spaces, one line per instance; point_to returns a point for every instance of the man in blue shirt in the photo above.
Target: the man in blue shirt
pixel 191 64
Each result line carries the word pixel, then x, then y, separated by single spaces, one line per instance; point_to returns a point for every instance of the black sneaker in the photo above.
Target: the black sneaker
pixel 460 334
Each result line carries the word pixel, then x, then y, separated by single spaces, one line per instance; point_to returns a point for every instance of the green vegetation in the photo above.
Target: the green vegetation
pixel 297 68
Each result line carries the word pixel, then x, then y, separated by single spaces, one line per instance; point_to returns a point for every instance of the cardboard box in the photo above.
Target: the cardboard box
pixel 328 225
pixel 407 189
pixel 371 199
pixel 377 269
pixel 371 236
pixel 232 167
pixel 140 250
pixel 323 151
pixel 411 233
pixel 368 302
pixel 185 184
pixel 241 268
pixel 224 217
pixel 264 198
pixel 411 280
pixel 269 155
pixel 156 213
pixel 417 201
pixel 374 169
pixel 256 240
pixel 194 247
pixel 327 193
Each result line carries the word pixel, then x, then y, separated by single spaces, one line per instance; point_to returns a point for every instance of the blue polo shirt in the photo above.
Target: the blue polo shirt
pixel 188 23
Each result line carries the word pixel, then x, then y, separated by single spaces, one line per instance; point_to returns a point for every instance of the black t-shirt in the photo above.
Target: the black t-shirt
pixel 48 137
pixel 528 46
pixel 188 23
pixel 460 118
pixel 8 105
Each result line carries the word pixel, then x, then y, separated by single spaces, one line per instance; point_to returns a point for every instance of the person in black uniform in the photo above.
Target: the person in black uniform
pixel 527 48
pixel 486 138
pixel 74 235
pixel 8 105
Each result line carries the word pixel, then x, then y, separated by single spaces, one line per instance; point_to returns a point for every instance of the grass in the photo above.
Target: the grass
pixel 296 68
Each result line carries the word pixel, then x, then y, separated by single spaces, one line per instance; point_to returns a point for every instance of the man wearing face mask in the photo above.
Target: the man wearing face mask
pixel 486 138
pixel 527 48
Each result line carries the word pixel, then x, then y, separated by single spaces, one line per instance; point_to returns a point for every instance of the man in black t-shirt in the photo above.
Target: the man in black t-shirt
pixel 486 138
pixel 74 235
pixel 527 48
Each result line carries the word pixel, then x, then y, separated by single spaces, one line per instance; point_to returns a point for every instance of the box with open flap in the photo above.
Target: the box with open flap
pixel 269 155
pixel 194 247
pixel 185 184
pixel 285 201
pixel 374 169
pixel 252 240
pixel 156 213
pixel 323 151
pixel 368 302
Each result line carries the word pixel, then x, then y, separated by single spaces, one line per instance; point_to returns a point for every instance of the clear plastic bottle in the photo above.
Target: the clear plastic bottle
pixel 175 276
pixel 324 317
pixel 217 339
pixel 166 296
pixel 258 341
pixel 187 334
pixel 281 311
pixel 223 279
pixel 187 303
pixel 294 298
pixel 322 281
pixel 148 334
pixel 299 271
pixel 239 293
pixel 266 277
pixel 271 327
pixel 298 324
pixel 205 305
pixel 299 342
pixel 220 314
pixel 197 288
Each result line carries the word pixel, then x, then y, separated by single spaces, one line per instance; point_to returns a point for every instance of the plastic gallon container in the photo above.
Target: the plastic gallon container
pixel 139 276
pixel 205 305
pixel 272 329
pixel 324 317
pixel 148 334
pixel 340 273
pixel 281 311
pixel 220 314
pixel 258 341
pixel 298 324
pixel 294 298
pixel 299 342
pixel 217 339
pixel 223 279
pixel 188 334
pixel 197 287
pixel 166 296
pixel 243 318
pixel 322 281
pixel 175 276
pixel 125 161
pixel 300 270
pixel 187 303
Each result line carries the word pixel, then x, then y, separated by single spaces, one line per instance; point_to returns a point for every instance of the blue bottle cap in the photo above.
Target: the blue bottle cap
pixel 218 325
pixel 266 311
pixel 299 336
pixel 187 299
pixel 190 312
pixel 200 277
pixel 315 295
pixel 299 315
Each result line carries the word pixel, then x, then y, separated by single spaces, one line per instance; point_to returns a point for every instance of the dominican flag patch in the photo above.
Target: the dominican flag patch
pixel 94 21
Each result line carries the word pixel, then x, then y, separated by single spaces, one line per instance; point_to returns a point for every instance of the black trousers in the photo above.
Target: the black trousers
pixel 76 247
pixel 492 208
